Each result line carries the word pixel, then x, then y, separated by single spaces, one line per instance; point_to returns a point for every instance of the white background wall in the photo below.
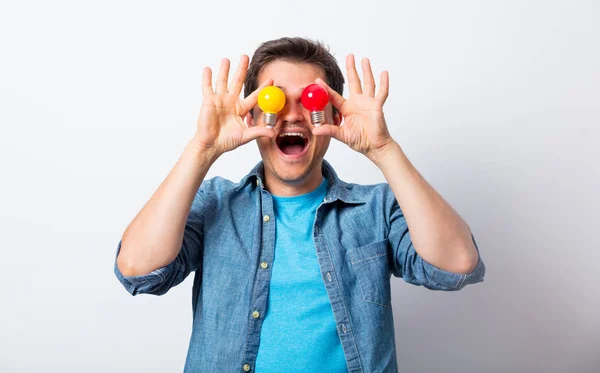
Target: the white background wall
pixel 496 103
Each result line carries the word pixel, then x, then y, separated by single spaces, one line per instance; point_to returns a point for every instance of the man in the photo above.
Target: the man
pixel 292 265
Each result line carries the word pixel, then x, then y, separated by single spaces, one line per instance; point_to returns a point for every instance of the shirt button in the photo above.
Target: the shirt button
pixel 246 367
pixel 257 182
pixel 266 218
pixel 264 265
pixel 255 314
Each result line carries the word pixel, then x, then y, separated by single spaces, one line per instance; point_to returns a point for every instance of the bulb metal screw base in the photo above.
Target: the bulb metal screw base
pixel 270 119
pixel 317 118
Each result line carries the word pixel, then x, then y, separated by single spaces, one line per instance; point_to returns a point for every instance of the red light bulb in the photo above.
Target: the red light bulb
pixel 315 98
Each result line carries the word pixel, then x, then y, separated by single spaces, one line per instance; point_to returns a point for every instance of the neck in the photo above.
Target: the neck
pixel 283 188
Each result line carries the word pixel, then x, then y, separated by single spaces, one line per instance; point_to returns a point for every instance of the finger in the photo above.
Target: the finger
pixel 249 102
pixel 207 88
pixel 384 87
pixel 353 79
pixel 240 75
pixel 223 75
pixel 369 88
pixel 253 133
pixel 335 98
pixel 329 130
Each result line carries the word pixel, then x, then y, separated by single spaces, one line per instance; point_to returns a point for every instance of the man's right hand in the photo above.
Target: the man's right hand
pixel 221 125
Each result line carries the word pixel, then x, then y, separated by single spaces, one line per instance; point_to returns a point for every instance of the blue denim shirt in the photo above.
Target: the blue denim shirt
pixel 361 239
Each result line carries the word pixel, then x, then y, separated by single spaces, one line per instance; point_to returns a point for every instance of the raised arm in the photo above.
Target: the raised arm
pixel 438 234
pixel 154 238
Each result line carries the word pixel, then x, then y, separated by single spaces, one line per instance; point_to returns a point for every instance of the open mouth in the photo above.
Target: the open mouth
pixel 292 143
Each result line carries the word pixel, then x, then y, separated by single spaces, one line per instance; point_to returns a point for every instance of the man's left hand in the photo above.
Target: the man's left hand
pixel 364 128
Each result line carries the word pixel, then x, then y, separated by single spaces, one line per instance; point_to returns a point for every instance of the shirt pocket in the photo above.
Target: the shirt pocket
pixel 372 270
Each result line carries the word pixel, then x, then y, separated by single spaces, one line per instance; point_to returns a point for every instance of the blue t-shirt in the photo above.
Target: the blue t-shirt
pixel 299 331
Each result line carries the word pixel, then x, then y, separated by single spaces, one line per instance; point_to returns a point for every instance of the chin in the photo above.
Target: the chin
pixel 291 173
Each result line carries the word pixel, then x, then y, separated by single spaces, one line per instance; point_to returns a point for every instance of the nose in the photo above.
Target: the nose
pixel 292 112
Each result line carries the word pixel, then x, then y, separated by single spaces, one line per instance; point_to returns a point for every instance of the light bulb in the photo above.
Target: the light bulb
pixel 315 98
pixel 271 100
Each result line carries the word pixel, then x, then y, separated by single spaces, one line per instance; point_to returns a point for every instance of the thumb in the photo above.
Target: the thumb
pixel 329 130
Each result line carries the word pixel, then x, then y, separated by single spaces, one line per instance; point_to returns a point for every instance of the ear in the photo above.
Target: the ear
pixel 250 119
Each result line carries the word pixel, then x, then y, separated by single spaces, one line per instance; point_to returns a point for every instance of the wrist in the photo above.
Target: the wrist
pixel 382 155
pixel 206 153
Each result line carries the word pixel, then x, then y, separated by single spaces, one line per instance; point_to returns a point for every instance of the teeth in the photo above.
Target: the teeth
pixel 292 134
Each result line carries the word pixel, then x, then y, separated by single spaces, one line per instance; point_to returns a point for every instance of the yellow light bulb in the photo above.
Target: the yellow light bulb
pixel 271 100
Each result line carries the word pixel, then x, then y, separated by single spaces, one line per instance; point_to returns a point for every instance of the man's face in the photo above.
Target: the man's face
pixel 295 154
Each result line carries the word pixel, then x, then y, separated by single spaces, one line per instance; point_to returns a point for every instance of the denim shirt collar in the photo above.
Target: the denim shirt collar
pixel 336 188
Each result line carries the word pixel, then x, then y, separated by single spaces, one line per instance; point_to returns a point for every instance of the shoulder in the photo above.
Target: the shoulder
pixel 368 193
pixel 366 189
pixel 354 193
pixel 214 187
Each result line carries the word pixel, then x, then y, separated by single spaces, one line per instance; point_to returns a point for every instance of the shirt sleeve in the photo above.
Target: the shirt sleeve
pixel 409 265
pixel 189 259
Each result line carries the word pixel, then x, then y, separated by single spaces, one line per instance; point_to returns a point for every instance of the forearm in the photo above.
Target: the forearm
pixel 154 237
pixel 439 235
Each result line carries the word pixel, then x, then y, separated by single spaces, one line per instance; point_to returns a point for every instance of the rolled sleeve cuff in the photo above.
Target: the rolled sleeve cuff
pixel 143 284
pixel 439 279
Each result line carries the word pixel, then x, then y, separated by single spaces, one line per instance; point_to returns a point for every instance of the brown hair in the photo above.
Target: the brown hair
pixel 294 50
